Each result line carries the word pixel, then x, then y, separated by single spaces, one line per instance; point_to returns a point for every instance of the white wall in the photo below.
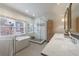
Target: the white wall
pixel 6 11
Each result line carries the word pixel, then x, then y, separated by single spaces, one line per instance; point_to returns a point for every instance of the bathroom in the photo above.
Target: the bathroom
pixel 25 33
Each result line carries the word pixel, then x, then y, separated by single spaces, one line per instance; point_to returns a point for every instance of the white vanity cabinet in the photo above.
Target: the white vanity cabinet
pixel 7 46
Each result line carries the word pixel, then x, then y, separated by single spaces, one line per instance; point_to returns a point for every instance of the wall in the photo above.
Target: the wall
pixel 58 25
pixel 6 11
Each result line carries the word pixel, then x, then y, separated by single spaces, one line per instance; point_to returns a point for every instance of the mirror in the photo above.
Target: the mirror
pixel 67 19
pixel 71 20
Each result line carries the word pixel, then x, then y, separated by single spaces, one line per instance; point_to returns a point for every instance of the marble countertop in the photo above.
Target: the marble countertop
pixel 61 46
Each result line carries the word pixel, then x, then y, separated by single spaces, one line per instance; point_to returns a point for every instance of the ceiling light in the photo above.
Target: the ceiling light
pixel 62 20
pixel 33 14
pixel 26 11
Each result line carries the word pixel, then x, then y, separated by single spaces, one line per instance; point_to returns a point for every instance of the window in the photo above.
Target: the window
pixel 6 26
pixel 30 28
pixel 10 26
pixel 20 28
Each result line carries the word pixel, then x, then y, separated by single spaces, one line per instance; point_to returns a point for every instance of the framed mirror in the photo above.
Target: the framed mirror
pixel 71 21
pixel 74 8
pixel 67 20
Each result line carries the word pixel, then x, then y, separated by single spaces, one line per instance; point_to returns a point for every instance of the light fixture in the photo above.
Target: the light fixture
pixel 26 11
pixel 33 14
pixel 62 20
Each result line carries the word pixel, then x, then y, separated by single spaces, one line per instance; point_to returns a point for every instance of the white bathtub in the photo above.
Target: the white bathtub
pixel 22 42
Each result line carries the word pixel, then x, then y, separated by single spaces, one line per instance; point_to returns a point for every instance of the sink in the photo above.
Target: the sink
pixel 76 36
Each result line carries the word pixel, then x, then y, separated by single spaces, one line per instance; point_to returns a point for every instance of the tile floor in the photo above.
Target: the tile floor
pixel 33 50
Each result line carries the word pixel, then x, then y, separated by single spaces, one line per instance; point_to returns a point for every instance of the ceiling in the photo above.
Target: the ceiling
pixel 48 10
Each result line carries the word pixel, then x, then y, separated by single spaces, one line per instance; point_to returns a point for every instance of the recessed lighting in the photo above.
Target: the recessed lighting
pixel 33 14
pixel 26 11
pixel 62 20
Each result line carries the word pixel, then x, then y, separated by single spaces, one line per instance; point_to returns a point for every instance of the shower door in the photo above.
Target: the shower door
pixel 40 29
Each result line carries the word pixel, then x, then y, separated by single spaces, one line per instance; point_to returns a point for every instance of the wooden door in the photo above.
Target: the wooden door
pixel 49 29
pixel 77 24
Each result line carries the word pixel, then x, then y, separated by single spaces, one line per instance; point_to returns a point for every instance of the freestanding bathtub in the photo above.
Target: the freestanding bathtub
pixel 22 42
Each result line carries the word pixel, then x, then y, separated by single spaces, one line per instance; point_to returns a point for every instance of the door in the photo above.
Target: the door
pixel 49 29
pixel 77 24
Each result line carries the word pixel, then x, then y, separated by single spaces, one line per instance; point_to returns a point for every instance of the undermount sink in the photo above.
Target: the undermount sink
pixel 75 40
pixel 62 39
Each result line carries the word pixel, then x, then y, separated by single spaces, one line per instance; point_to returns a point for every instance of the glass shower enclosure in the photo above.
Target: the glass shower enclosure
pixel 38 30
